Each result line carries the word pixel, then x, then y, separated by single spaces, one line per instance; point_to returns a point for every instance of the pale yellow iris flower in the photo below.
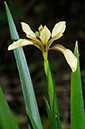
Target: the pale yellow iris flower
pixel 43 39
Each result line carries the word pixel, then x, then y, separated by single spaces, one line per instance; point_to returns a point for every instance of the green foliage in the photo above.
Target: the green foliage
pixel 52 110
pixel 26 83
pixel 32 120
pixel 7 120
pixel 77 106
pixel 50 82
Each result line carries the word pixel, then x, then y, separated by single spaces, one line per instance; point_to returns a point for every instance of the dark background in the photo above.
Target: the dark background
pixel 45 12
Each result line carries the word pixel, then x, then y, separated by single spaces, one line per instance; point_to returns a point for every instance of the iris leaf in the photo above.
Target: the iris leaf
pixel 7 120
pixel 26 82
pixel 77 105
pixel 32 120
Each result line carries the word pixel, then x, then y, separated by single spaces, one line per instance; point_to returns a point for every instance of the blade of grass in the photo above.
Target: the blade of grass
pixel 77 106
pixel 7 120
pixel 26 83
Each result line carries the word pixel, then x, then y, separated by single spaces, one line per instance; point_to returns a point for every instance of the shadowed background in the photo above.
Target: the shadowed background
pixel 45 12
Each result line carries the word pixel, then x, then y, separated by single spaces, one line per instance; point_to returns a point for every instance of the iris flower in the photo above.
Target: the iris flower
pixel 43 40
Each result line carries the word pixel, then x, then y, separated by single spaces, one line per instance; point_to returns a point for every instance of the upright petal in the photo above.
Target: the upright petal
pixel 58 28
pixel 45 35
pixel 26 28
pixel 69 56
pixel 19 43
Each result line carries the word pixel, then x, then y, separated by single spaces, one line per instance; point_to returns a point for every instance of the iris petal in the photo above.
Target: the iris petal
pixel 24 42
pixel 45 35
pixel 58 28
pixel 71 59
pixel 69 56
pixel 26 28
pixel 19 43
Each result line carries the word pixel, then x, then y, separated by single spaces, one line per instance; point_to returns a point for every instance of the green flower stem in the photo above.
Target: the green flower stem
pixel 53 111
pixel 50 82
pixel 26 82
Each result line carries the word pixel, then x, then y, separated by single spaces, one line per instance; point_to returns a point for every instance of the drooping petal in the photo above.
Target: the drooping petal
pixel 71 59
pixel 19 43
pixel 26 28
pixel 69 56
pixel 59 28
pixel 45 35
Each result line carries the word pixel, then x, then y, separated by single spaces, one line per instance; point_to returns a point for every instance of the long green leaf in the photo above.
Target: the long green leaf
pixel 53 118
pixel 77 106
pixel 26 83
pixel 32 120
pixel 7 120
pixel 56 109
pixel 48 112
